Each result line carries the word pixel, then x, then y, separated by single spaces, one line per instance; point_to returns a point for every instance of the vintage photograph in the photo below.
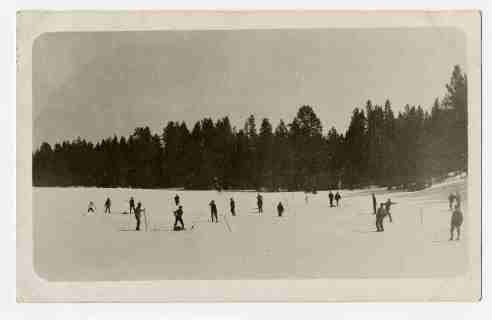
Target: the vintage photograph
pixel 251 153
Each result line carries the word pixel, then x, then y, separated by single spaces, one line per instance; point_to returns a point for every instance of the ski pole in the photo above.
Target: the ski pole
pixel 145 220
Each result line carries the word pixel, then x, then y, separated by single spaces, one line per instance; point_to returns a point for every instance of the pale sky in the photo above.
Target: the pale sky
pixel 98 84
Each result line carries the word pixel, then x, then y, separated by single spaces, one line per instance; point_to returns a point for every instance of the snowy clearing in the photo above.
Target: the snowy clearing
pixel 312 240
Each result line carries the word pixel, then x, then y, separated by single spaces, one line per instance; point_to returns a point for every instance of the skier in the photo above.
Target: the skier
pixel 138 214
pixel 178 217
pixel 374 205
pixel 176 200
pixel 213 211
pixel 233 207
pixel 330 195
pixel 259 201
pixel 337 198
pixel 132 205
pixel 387 205
pixel 91 207
pixel 451 199
pixel 107 206
pixel 381 213
pixel 280 209
pixel 456 222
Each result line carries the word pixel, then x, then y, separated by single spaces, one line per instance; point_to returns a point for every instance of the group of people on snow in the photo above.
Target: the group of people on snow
pixel 337 198
pixel 91 208
pixel 136 210
pixel 381 212
pixel 214 217
pixel 454 205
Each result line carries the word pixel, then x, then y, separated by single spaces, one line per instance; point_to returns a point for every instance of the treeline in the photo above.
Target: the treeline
pixel 378 148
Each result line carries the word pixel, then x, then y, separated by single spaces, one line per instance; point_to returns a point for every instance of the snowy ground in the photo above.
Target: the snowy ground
pixel 310 241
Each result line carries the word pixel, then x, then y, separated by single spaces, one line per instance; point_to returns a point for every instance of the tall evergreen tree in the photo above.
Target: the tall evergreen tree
pixel 265 155
pixel 306 136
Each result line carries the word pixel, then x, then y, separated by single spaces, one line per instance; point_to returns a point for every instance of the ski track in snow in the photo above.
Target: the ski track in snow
pixel 310 241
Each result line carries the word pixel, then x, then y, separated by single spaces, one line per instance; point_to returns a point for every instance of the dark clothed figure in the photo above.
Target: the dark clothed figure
pixel 259 202
pixel 233 207
pixel 91 207
pixel 107 206
pixel 138 215
pixel 387 206
pixel 176 200
pixel 280 209
pixel 337 198
pixel 178 218
pixel 330 195
pixel 132 205
pixel 381 213
pixel 213 211
pixel 456 222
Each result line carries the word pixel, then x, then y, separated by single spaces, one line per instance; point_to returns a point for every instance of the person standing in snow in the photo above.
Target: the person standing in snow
pixel 330 195
pixel 213 211
pixel 178 218
pixel 176 200
pixel 456 222
pixel 91 207
pixel 138 215
pixel 381 213
pixel 387 205
pixel 337 198
pixel 107 206
pixel 280 209
pixel 259 202
pixel 233 207
pixel 132 205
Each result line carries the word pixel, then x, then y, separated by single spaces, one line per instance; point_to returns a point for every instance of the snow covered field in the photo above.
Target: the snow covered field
pixel 311 240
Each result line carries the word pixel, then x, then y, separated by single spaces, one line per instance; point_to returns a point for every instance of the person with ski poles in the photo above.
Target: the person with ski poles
pixel 381 213
pixel 388 205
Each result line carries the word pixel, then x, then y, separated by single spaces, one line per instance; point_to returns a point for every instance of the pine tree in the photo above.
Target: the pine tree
pixel 306 136
pixel 265 155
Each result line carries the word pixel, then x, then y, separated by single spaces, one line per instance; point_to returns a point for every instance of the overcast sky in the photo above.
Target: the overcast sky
pixel 98 84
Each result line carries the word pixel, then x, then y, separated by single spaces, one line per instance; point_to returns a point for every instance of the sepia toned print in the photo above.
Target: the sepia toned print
pixel 292 154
